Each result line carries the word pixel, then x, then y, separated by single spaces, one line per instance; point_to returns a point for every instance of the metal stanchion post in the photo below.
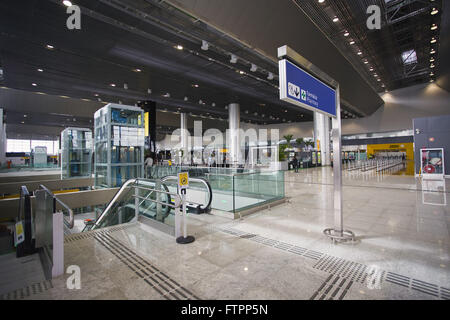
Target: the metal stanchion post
pixel 183 183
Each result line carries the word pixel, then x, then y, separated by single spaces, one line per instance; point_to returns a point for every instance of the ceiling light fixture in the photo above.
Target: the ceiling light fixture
pixel 434 26
pixel 112 84
pixel 359 53
pixel 205 45
pixel 432 51
pixel 241 72
pixel 432 66
pixel 321 1
pixel 179 47
pixel 270 76
pixel 137 70
pixel 346 34
pixel 253 68
pixel 352 42
pixel 434 11
pixel 34 84
pixel 233 59
pixel 432 60
pixel 433 40
pixel 49 47
pixel 67 3
pixel 335 19
pixel 40 70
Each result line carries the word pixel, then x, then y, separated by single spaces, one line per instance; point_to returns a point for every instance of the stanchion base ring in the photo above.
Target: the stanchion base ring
pixel 339 236
pixel 183 240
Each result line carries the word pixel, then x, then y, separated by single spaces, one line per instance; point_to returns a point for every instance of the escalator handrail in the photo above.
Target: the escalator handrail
pixel 205 182
pixel 113 201
pixel 70 211
pixel 129 183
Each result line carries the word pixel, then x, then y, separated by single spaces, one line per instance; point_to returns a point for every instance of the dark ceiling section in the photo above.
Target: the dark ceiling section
pixel 268 24
pixel 119 37
pixel 62 112
pixel 405 26
pixel 443 79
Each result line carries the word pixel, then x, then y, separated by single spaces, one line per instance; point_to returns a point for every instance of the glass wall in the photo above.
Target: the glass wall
pixel 234 189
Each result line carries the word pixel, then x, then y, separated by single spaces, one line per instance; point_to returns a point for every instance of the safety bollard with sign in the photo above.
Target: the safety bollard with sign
pixel 183 184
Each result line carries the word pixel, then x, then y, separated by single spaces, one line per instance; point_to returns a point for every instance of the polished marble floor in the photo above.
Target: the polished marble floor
pixel 402 249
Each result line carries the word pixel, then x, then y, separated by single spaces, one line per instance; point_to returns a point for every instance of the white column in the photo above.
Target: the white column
pixel 2 140
pixel 322 137
pixel 184 136
pixel 234 119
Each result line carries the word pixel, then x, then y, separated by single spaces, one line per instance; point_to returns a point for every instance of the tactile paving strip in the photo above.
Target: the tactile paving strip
pixel 28 291
pixel 418 285
pixel 155 278
pixel 334 287
pixel 311 254
pixel 342 268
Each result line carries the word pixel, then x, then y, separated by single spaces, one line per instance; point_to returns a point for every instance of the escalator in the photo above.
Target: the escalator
pixel 154 201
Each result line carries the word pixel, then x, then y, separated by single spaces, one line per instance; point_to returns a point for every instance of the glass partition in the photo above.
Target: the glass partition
pixel 234 189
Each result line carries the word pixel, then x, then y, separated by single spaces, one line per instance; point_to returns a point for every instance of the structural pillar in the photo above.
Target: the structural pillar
pixel 2 140
pixel 234 120
pixel 322 137
pixel 149 108
pixel 184 137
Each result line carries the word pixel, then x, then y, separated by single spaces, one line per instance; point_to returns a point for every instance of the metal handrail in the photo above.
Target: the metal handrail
pixel 71 216
pixel 129 183
pixel 207 185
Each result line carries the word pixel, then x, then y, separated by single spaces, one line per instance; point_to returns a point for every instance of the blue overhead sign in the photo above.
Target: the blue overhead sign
pixel 302 89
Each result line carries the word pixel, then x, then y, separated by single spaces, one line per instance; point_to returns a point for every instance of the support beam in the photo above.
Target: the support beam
pixel 234 119
pixel 322 137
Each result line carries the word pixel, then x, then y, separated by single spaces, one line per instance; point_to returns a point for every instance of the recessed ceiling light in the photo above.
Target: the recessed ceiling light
pixel 432 60
pixel 433 40
pixel 359 53
pixel 431 74
pixel 49 47
pixel 67 3
pixel 195 85
pixel 434 26
pixel 352 42
pixel 34 84
pixel 241 72
pixel 335 19
pixel 96 95
pixel 179 47
pixel 432 51
pixel 366 62
pixel 40 70
pixel 371 69
pixel 25 116
pixel 434 11
pixel 432 66
pixel 137 70
pixel 112 84
pixel 321 1
pixel 346 34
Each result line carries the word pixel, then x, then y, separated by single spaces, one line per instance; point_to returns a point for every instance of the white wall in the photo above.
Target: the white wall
pixel 400 108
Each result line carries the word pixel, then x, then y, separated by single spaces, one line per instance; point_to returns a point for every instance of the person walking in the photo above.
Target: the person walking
pixel 148 165
pixel 295 164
